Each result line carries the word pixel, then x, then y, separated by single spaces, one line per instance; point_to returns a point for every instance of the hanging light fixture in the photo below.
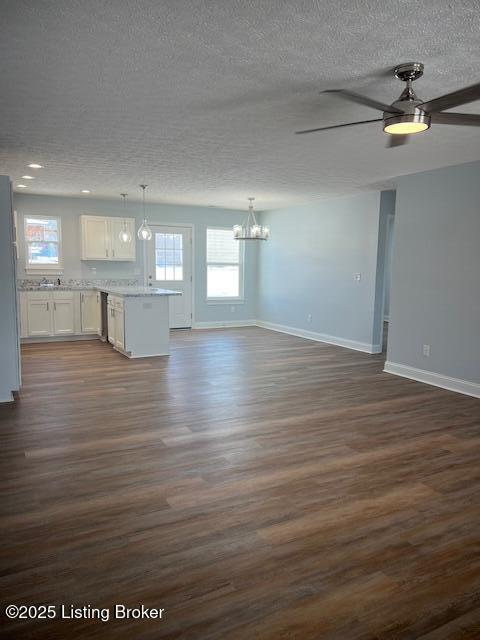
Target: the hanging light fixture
pixel 125 235
pixel 144 233
pixel 250 229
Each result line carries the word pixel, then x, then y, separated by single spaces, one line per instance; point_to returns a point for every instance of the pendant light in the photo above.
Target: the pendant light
pixel 250 229
pixel 144 233
pixel 125 235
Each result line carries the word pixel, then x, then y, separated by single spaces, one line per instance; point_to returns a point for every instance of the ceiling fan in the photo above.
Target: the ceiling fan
pixel 408 114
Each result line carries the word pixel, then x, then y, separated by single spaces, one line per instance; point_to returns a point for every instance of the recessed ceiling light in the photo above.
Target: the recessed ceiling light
pixel 35 166
pixel 85 190
pixel 28 177
pixel 22 186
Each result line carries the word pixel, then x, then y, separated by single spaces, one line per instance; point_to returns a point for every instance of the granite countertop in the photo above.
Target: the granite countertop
pixel 136 291
pixel 56 287
pixel 115 287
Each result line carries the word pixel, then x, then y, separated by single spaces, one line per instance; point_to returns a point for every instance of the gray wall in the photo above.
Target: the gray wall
pixel 435 291
pixel 308 267
pixel 69 209
pixel 387 211
pixel 9 348
pixel 388 262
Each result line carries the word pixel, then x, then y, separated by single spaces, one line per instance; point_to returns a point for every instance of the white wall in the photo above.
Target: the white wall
pixel 435 288
pixel 69 209
pixel 308 267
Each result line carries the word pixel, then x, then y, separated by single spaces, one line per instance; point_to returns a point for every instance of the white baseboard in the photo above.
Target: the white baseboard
pixel 224 324
pixel 70 338
pixel 321 337
pixel 434 379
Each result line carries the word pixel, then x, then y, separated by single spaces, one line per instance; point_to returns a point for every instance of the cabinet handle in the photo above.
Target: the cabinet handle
pixel 113 253
pixel 48 306
pixel 54 306
pixel 82 296
pixel 106 253
pixel 97 298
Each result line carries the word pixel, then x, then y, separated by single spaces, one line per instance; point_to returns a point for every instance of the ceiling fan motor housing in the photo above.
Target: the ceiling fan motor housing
pixel 410 113
pixel 407 108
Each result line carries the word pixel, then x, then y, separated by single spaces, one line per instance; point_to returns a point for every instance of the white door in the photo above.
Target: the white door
pixel 95 238
pixel 39 317
pixel 90 311
pixel 122 250
pixel 169 266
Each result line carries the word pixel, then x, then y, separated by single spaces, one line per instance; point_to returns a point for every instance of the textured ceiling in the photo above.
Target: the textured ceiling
pixel 201 98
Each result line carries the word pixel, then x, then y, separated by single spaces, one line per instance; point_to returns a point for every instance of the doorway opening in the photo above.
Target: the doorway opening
pixel 169 265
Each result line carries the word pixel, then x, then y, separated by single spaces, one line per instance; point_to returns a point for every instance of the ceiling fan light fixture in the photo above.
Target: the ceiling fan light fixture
pixel 406 124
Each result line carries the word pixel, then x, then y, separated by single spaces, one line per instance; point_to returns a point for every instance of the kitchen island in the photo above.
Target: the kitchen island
pixel 136 319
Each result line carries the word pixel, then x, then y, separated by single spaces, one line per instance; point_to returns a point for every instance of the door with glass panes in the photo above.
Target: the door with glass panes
pixel 169 266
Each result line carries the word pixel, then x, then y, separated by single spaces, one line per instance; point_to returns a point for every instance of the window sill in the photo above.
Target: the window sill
pixel 44 272
pixel 225 300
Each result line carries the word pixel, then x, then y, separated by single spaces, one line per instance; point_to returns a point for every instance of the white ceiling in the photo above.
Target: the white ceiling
pixel 201 98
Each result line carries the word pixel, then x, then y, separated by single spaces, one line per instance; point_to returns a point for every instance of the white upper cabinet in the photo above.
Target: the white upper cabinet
pixel 122 250
pixel 95 244
pixel 101 238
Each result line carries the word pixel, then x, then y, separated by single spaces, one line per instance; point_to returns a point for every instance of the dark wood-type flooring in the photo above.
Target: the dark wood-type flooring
pixel 253 484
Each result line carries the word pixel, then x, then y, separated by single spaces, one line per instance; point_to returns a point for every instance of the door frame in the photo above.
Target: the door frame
pixel 185 225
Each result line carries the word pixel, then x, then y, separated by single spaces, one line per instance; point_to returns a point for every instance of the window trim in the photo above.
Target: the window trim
pixel 241 271
pixel 46 268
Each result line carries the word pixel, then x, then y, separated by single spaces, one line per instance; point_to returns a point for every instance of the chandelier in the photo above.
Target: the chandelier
pixel 250 229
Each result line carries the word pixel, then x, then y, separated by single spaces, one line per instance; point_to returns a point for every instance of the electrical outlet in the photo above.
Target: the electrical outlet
pixel 426 350
pixel 232 308
pixel 357 277
pixel 309 317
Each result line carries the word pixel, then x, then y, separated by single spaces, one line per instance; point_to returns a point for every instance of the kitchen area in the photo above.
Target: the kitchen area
pixel 80 267
pixel 133 319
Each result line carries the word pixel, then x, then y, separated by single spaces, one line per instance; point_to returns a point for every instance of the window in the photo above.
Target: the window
pixel 43 243
pixel 168 256
pixel 224 265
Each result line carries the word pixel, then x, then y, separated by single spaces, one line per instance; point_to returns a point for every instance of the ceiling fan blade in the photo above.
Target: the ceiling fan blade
pixel 397 140
pixel 359 99
pixel 338 126
pixel 450 100
pixel 467 119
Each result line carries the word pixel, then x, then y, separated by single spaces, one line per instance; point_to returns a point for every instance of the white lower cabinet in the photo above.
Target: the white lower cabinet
pixel 119 329
pixel 59 313
pixel 90 312
pixel 116 322
pixel 63 315
pixel 110 321
pixel 39 309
